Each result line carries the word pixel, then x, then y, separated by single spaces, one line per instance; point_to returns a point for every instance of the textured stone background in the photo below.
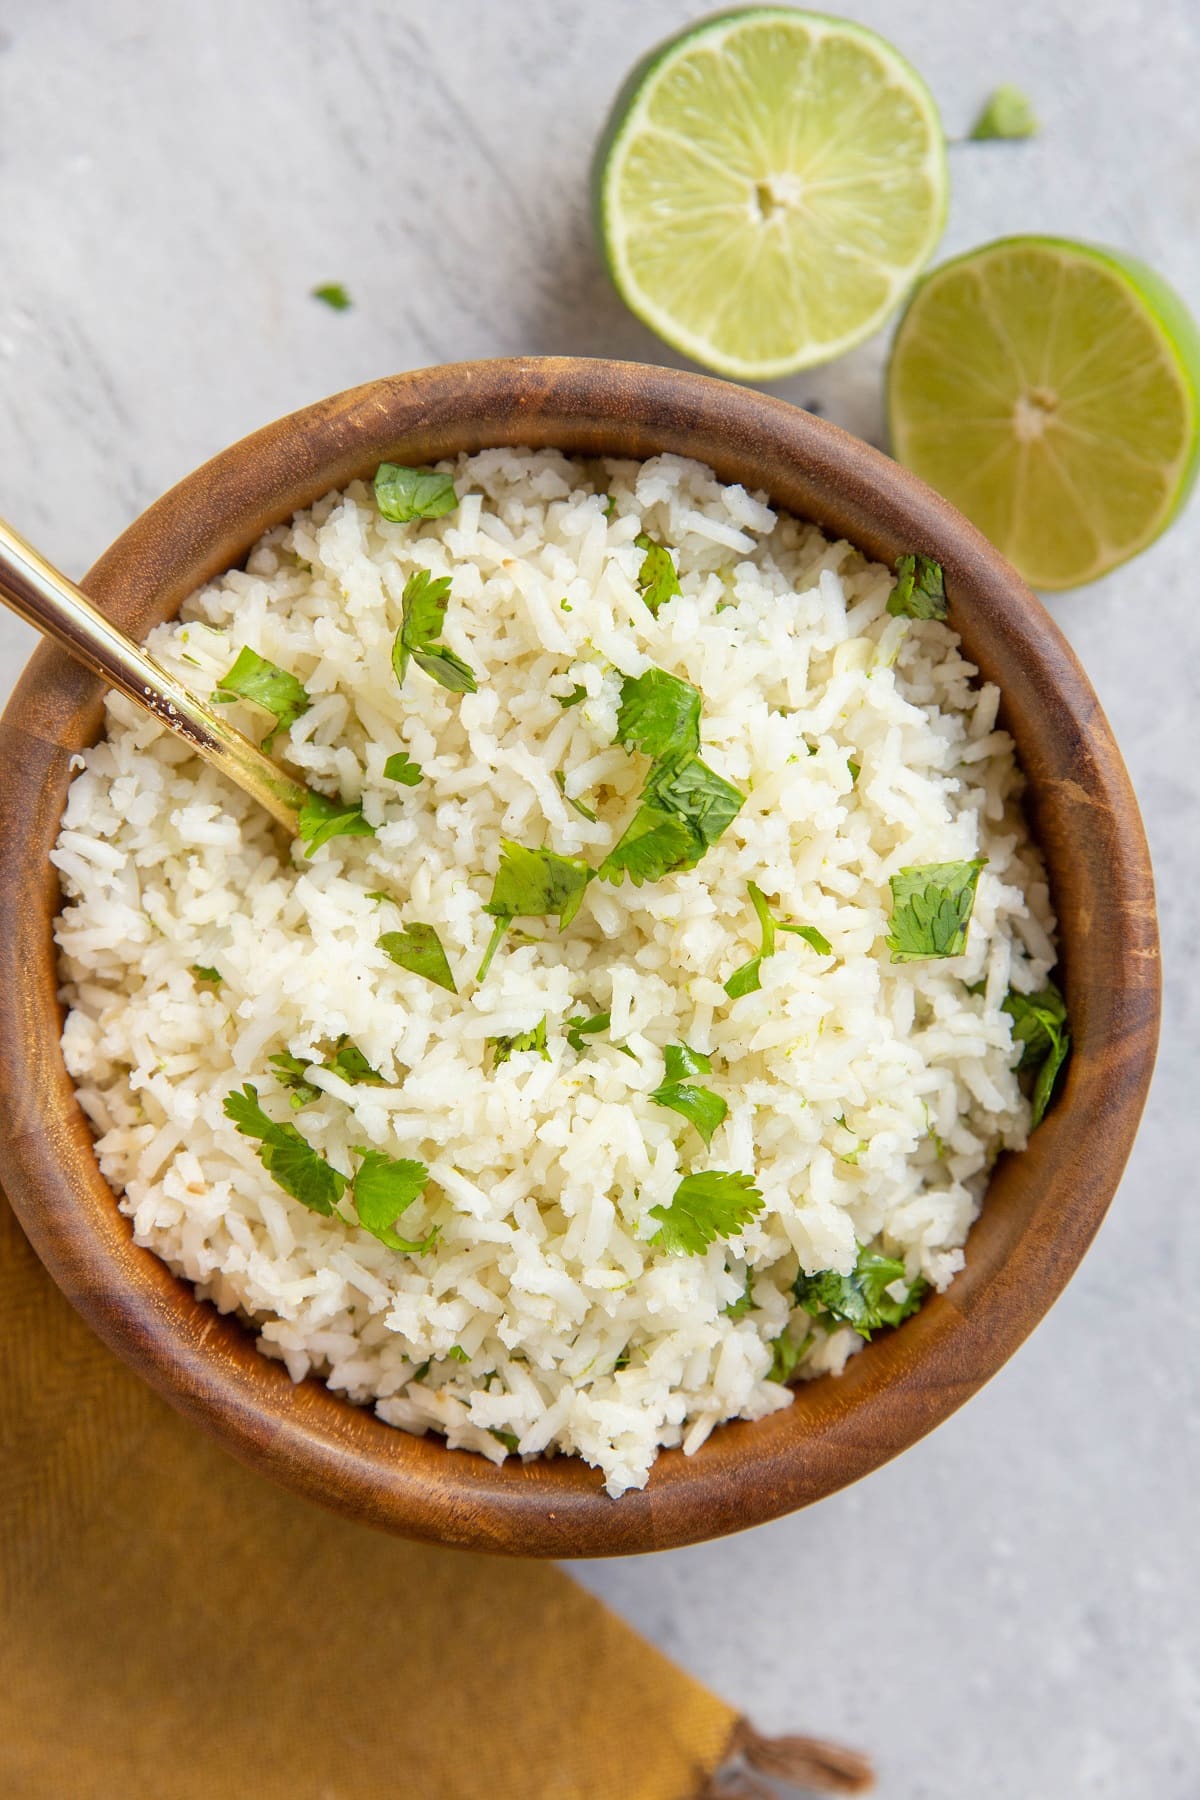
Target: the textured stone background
pixel 1009 1612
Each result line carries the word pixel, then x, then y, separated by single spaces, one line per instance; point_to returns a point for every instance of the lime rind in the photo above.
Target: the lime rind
pixel 628 121
pixel 992 492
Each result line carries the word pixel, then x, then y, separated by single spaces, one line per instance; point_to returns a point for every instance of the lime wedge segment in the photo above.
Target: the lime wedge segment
pixel 769 186
pixel 1051 391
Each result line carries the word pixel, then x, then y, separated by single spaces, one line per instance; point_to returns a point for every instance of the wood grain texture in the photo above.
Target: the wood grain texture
pixel 1043 1207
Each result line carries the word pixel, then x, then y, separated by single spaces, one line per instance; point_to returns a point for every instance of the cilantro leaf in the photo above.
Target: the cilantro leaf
pixel 659 714
pixel 737 1309
pixel 299 1170
pixel 203 972
pixel 509 1439
pixel 932 905
pixel 682 1061
pixel 1040 1027
pixel 653 844
pixel 698 1105
pixel 746 978
pixel 265 685
pixel 920 590
pixel 704 1207
pixel 811 935
pixel 582 1026
pixel 424 604
pixel 292 1072
pixel 585 812
pixel 456 1353
pixel 576 694
pixel 534 1039
pixel 859 1299
pixel 855 769
pixel 785 1354
pixel 402 494
pixel 349 1062
pixel 383 1188
pixel 1006 113
pixel 402 768
pixel 334 296
pixel 322 819
pixel 532 883
pixel 418 949
pixel 694 792
pixel 657 580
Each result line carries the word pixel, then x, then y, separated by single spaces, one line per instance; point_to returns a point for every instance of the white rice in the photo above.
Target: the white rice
pixel 867 1098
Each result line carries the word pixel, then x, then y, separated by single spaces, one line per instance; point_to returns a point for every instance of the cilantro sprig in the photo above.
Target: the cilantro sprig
pixel 699 1105
pixel 715 1203
pixel 932 905
pixel 403 494
pixel 859 1299
pixel 920 590
pixel 1040 1027
pixel 746 978
pixel 685 806
pixel 265 685
pixel 532 884
pixel 346 1060
pixel 424 603
pixel 384 1188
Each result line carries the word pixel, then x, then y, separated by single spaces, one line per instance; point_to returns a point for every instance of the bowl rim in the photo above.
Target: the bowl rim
pixel 899 1387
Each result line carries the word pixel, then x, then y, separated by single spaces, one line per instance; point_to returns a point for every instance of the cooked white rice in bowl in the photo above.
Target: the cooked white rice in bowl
pixel 697 1141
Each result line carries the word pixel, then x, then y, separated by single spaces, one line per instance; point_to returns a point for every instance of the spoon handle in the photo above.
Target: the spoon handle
pixel 41 595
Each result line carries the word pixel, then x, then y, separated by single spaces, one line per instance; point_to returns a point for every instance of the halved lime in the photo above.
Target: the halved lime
pixel 769 185
pixel 1051 390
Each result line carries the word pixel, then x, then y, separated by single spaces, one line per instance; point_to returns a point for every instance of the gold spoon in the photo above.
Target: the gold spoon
pixel 42 595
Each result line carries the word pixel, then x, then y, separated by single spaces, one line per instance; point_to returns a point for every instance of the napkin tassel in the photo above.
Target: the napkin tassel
pixel 803 1762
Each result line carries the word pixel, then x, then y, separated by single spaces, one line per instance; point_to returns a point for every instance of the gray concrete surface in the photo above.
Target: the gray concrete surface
pixel 1008 1612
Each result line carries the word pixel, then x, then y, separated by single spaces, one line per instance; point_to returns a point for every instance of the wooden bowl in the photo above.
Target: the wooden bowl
pixel 1043 1206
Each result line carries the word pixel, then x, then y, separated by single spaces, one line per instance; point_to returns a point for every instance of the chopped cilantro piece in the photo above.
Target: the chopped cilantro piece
pixel 682 1061
pixel 380 895
pixel 577 693
pixel 704 1207
pixel 1040 1027
pixel 585 812
pixel 860 1298
pixel 203 972
pixel 383 1188
pixel 402 494
pixel 784 1356
pixel 653 844
pixel 334 296
pixel 292 1072
pixel 581 1026
pixel 855 769
pixel 698 1105
pixel 299 1170
pixel 564 605
pixel 265 685
pixel 424 614
pixel 322 819
pixel 610 505
pixel 746 979
pixel 657 580
pixel 1007 113
pixel 659 714
pixel 931 909
pixel 694 792
pixel 534 1039
pixel 349 1062
pixel 532 883
pixel 456 1353
pixel 418 949
pixel 509 1439
pixel 737 1309
pixel 920 590
pixel 401 767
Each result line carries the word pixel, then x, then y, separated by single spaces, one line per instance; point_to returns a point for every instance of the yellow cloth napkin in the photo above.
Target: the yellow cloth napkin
pixel 173 1627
